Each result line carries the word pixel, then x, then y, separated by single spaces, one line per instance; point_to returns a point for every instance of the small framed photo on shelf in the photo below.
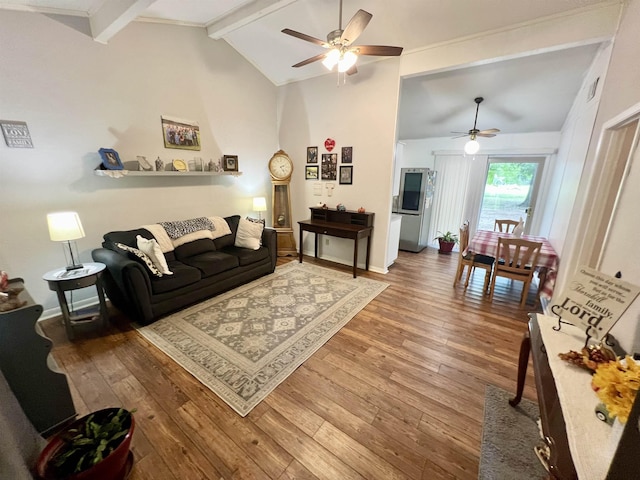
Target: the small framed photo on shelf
pixel 311 172
pixel 230 163
pixel 346 175
pixel 312 154
pixel 110 159
pixel 347 154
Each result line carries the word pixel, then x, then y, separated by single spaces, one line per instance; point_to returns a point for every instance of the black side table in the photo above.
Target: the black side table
pixel 61 280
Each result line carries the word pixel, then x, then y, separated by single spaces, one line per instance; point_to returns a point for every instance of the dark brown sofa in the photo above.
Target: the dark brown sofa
pixel 201 269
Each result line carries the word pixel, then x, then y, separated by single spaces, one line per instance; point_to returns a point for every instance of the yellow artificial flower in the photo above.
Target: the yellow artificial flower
pixel 616 384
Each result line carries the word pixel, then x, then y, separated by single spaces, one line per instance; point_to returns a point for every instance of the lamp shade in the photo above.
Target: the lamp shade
pixel 331 58
pixel 64 226
pixel 259 204
pixel 471 147
pixel 347 61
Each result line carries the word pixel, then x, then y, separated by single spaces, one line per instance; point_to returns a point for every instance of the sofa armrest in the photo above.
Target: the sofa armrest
pixel 127 283
pixel 270 240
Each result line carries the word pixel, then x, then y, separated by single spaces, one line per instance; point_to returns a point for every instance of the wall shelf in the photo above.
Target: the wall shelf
pixel 166 173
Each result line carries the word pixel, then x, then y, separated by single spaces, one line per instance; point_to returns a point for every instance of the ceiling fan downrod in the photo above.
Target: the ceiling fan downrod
pixel 478 101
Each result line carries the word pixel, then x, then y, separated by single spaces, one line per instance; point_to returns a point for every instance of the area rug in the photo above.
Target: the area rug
pixel 508 437
pixel 244 343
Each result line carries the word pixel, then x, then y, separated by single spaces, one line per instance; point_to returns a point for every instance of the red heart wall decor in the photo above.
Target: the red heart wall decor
pixel 329 143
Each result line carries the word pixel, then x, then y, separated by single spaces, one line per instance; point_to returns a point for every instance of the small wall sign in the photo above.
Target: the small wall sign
pixel 16 134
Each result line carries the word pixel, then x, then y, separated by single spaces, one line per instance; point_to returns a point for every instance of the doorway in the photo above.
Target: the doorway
pixel 510 190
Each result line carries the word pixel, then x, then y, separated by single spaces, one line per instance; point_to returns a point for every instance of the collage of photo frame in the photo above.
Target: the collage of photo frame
pixel 328 168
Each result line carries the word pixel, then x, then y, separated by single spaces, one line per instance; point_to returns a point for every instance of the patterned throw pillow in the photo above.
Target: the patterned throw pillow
pixel 257 220
pixel 142 256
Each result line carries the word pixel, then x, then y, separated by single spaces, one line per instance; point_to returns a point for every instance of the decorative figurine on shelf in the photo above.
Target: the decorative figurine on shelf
pixel 159 165
pixel 361 210
pixel 341 208
pixel 324 205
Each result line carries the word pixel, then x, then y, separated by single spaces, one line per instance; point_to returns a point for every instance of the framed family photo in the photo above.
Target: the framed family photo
pixel 230 163
pixel 312 154
pixel 110 159
pixel 183 134
pixel 311 172
pixel 346 175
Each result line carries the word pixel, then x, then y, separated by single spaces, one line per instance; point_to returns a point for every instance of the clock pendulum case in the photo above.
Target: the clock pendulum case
pixel 281 168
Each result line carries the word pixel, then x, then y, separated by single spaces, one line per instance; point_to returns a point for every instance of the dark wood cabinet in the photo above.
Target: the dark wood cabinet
pixel 30 370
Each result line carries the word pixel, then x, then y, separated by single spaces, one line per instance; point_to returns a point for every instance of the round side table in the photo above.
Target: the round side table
pixel 62 280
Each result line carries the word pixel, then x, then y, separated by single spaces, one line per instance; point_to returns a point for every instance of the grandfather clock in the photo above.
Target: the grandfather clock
pixel 281 168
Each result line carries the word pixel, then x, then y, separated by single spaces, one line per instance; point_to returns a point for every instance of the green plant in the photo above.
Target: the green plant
pixel 91 441
pixel 448 237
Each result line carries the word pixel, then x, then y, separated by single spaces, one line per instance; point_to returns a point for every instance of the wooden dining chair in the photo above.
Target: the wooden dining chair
pixel 471 260
pixel 517 260
pixel 505 226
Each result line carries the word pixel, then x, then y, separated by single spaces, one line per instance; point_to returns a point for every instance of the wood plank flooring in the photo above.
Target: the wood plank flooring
pixel 398 393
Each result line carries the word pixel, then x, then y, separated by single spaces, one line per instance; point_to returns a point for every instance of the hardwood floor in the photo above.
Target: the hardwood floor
pixel 397 393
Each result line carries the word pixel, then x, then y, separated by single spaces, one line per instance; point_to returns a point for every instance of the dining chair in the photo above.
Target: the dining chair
pixel 471 260
pixel 505 226
pixel 517 260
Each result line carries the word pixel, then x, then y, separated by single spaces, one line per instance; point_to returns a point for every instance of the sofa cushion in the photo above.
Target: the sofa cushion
pixel 246 256
pixel 229 239
pixel 183 275
pixel 194 248
pixel 212 263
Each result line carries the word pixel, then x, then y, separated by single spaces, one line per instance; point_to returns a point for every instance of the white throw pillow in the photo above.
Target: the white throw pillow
pixel 249 234
pixel 152 249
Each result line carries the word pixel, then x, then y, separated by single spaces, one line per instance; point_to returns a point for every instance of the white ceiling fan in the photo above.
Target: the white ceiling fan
pixel 342 53
pixel 472 146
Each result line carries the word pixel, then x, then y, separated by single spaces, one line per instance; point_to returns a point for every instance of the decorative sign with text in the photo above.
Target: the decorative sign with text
pixel 594 301
pixel 16 134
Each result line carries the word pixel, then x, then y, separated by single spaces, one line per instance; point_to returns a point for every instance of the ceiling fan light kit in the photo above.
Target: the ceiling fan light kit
pixel 342 53
pixel 472 146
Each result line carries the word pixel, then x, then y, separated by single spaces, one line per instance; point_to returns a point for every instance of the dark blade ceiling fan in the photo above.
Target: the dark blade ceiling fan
pixel 474 132
pixel 342 53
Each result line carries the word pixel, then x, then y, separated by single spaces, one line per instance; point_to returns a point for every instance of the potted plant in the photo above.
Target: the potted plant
pixel 447 241
pixel 94 447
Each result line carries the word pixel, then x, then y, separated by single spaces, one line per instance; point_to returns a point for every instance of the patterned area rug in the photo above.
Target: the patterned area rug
pixel 508 437
pixel 244 343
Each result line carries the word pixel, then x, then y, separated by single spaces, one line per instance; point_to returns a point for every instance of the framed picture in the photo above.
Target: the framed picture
pixel 329 166
pixel 347 154
pixel 230 163
pixel 311 172
pixel 110 159
pixel 183 134
pixel 312 154
pixel 346 175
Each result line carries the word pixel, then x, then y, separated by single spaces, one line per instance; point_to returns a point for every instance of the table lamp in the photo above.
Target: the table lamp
pixel 259 205
pixel 66 227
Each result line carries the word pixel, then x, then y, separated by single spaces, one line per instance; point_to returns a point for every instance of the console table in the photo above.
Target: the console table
pixel 342 224
pixel 581 446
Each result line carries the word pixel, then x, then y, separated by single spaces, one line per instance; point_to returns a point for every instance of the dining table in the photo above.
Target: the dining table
pixel 485 242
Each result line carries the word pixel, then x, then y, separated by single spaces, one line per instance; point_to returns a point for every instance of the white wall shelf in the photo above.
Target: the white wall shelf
pixel 166 173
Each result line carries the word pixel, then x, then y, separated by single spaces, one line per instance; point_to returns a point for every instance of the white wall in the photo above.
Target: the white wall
pixel 77 96
pixel 619 93
pixel 360 113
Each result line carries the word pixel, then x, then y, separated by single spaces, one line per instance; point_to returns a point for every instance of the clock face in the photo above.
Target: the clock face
pixel 280 166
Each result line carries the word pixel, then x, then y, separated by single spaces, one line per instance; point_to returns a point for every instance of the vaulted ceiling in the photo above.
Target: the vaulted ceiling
pixel 518 94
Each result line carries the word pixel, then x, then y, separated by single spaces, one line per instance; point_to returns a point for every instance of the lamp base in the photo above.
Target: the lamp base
pixel 74 267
